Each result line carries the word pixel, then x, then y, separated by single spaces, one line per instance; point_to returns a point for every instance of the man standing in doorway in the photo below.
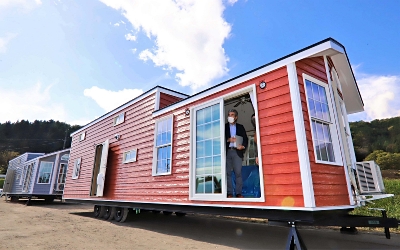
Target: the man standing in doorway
pixel 234 152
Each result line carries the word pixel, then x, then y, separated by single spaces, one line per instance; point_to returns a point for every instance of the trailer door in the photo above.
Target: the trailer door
pixel 103 167
pixel 8 183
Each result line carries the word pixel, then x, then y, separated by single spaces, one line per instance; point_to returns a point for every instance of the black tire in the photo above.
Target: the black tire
pixel 167 212
pixel 49 200
pixel 107 213
pixel 14 198
pixel 179 214
pixel 155 211
pixel 121 213
pixel 97 210
pixel 113 211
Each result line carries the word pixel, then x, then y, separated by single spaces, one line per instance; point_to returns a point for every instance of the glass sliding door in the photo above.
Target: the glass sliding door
pixel 208 150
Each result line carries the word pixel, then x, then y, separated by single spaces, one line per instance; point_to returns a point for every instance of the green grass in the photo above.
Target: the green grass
pixel 392 204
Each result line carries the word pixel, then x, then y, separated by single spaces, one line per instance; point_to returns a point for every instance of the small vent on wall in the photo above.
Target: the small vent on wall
pixel 369 177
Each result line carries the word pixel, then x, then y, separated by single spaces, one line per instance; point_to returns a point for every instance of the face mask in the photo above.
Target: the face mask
pixel 231 119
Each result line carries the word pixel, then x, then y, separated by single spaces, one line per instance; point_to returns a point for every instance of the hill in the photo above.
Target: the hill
pixel 38 136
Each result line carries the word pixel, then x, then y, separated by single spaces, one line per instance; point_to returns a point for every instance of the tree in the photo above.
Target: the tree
pixel 5 157
pixel 385 160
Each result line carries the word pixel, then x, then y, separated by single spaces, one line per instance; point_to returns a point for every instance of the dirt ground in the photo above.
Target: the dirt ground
pixel 70 226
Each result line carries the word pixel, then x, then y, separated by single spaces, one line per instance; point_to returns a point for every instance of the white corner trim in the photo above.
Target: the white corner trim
pixel 347 176
pixel 157 100
pixel 35 170
pixel 302 148
pixel 55 172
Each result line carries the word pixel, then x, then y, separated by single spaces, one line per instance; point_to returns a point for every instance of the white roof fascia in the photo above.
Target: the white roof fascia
pixel 281 63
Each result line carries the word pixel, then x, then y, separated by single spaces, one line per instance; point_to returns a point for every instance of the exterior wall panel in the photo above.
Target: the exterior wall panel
pixel 329 182
pixel 134 181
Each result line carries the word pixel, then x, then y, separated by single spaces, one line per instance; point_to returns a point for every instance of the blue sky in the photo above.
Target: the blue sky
pixel 75 60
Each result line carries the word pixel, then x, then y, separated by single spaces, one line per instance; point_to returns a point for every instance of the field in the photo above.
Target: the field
pixel 392 204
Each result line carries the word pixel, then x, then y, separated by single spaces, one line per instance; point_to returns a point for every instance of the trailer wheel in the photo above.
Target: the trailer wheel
pixel 14 198
pixel 167 212
pixel 97 210
pixel 112 213
pixel 107 212
pixel 49 200
pixel 179 214
pixel 155 211
pixel 121 213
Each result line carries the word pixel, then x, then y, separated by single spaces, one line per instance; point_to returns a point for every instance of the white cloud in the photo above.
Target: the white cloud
pixel 232 2
pixel 4 41
pixel 188 36
pixel 25 5
pixel 380 95
pixel 109 100
pixel 134 50
pixel 130 37
pixel 116 24
pixel 33 103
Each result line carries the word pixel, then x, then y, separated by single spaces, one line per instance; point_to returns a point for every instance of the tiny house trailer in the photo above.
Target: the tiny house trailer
pixel 165 151
pixel 39 176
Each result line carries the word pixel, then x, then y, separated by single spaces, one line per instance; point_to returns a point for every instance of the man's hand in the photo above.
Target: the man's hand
pixel 240 147
pixel 257 160
pixel 232 139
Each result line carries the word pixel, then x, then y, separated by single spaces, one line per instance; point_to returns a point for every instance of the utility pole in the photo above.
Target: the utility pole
pixel 65 139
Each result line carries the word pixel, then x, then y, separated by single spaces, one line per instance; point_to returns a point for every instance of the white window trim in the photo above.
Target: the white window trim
pixel 75 175
pixel 332 125
pixel 82 136
pixel 51 173
pixel 154 170
pixel 192 161
pixel 116 122
pixel 131 160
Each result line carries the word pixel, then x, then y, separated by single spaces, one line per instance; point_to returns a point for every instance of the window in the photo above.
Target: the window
pixel 45 172
pixel 130 156
pixel 28 175
pixel 77 168
pixel 321 120
pixel 119 119
pixel 208 170
pixel 82 136
pixel 163 147
pixel 249 158
pixel 62 174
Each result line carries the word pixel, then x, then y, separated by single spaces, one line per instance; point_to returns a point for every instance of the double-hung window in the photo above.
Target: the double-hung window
pixel 163 146
pixel 322 121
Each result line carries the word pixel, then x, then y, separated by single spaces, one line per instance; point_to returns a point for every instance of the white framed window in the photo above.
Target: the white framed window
pixel 162 161
pixel 120 118
pixel 82 136
pixel 207 150
pixel 322 121
pixel 77 168
pixel 45 170
pixel 130 156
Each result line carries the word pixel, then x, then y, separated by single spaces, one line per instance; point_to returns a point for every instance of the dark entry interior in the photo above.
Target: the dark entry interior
pixel 250 170
pixel 96 168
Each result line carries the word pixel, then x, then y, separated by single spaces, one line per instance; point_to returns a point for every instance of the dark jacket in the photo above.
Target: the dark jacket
pixel 239 131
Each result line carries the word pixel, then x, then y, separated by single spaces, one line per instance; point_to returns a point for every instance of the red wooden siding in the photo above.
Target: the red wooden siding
pixel 134 181
pixel 329 182
pixel 166 100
